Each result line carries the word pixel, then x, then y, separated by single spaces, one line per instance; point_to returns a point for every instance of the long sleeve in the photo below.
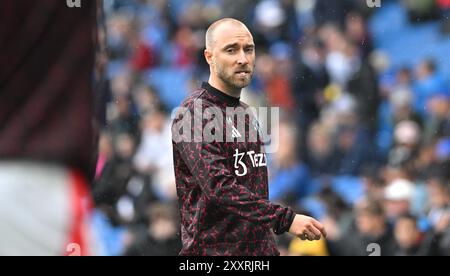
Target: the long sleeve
pixel 222 187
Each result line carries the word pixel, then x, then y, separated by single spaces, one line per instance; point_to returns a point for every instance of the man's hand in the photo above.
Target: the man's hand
pixel 307 228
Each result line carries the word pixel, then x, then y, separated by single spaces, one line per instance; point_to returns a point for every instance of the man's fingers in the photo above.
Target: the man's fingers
pixel 309 228
pixel 309 235
pixel 324 232
pixel 320 227
pixel 315 231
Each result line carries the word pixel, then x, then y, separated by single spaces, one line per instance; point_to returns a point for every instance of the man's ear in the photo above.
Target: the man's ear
pixel 208 56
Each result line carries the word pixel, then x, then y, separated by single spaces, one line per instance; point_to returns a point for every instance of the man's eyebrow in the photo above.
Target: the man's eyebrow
pixel 234 45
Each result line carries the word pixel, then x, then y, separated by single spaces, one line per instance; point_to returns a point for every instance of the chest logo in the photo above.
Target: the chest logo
pixel 256 160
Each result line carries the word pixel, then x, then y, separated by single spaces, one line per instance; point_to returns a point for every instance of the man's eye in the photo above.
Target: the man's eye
pixel 230 51
pixel 249 50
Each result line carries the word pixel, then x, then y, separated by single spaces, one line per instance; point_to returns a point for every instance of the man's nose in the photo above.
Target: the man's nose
pixel 242 58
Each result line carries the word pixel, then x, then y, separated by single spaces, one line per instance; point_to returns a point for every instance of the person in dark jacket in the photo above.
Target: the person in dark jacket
pixel 223 186
pixel 47 126
pixel 370 235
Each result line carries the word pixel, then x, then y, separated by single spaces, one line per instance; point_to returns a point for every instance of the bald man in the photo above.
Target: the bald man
pixel 222 185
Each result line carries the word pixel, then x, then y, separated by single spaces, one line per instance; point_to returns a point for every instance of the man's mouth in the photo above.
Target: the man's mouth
pixel 242 73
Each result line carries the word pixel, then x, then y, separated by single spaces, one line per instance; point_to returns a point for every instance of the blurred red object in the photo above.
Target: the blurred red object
pixel 444 4
pixel 143 57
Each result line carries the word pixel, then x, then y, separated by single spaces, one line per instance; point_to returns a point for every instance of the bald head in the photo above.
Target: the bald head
pixel 230 53
pixel 219 25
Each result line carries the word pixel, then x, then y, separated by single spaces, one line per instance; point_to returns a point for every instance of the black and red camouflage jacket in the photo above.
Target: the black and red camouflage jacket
pixel 222 186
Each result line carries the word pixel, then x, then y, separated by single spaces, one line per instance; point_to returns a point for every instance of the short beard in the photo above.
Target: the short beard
pixel 229 81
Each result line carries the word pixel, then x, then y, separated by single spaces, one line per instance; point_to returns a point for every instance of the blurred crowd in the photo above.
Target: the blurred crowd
pixel 364 147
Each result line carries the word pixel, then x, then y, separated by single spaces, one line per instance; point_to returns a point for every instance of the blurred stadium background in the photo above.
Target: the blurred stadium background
pixel 365 129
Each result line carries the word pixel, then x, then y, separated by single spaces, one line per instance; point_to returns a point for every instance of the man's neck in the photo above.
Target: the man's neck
pixel 219 85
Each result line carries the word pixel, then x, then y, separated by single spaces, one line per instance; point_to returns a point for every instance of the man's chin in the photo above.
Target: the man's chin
pixel 241 83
